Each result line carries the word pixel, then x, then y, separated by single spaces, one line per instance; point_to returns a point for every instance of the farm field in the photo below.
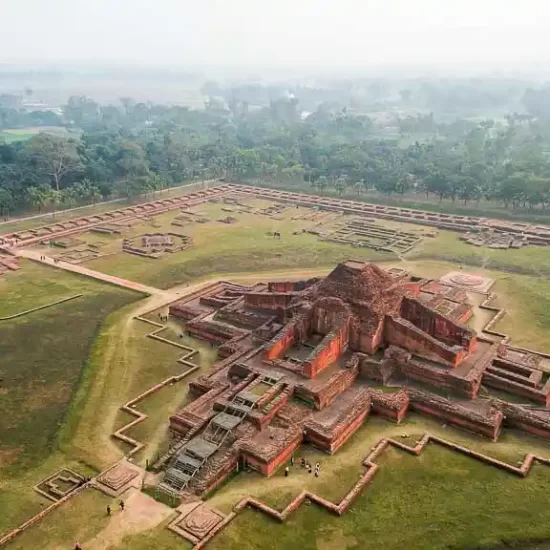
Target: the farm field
pixel 12 135
pixel 83 359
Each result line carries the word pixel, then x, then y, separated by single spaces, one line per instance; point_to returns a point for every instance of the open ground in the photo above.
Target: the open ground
pixel 98 357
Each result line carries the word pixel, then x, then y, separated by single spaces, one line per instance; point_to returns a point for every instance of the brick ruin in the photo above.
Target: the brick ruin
pixel 60 484
pixel 535 234
pixel 154 245
pixel 8 263
pixel 308 362
pixel 116 220
pixel 361 232
pixel 496 239
pixel 110 222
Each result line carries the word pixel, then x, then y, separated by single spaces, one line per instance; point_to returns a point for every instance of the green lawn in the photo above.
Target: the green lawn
pixel 142 352
pixel 447 246
pixel 440 500
pixel 437 500
pixel 36 285
pixel 44 354
pixel 222 248
pixel 248 246
pixel 44 365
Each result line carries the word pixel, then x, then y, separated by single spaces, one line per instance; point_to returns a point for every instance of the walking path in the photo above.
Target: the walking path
pixel 131 285
pixel 141 513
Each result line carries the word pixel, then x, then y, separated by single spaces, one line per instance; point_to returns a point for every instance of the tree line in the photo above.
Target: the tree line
pixel 135 148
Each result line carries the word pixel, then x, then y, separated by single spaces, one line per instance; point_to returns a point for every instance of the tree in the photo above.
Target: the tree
pixel 340 186
pixel 322 183
pixel 359 186
pixel 53 157
pixel 6 202
pixel 39 197
pixel 82 111
pixel 437 183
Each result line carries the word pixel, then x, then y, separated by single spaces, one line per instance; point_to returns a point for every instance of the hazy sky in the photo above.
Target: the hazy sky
pixel 315 33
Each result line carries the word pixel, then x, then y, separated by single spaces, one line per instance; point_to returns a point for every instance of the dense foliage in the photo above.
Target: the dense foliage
pixel 134 148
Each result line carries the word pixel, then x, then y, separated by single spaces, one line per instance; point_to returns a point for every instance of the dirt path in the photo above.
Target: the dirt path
pixel 141 513
pixel 36 256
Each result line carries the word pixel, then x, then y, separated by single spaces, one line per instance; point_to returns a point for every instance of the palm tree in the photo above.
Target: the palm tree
pixel 39 197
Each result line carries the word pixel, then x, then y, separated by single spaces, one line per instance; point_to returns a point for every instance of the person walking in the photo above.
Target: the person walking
pixel 108 510
pixel 121 504
pixel 77 546
pixel 287 470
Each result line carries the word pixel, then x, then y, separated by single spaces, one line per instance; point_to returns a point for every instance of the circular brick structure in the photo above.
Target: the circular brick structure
pixel 464 279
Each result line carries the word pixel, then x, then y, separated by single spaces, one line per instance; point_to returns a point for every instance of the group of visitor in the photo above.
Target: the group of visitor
pixel 304 464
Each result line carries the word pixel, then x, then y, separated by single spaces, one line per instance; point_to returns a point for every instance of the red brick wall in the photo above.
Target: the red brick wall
pixel 402 333
pixel 348 432
pixel 489 431
pixel 290 286
pixel 514 388
pixel 282 286
pixel 281 343
pixel 363 339
pixel 333 346
pixel 221 475
pixel 413 287
pixel 435 324
pixel 263 300
pixel 269 468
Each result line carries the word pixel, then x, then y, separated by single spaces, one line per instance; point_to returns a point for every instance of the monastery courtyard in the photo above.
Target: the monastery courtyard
pixel 196 357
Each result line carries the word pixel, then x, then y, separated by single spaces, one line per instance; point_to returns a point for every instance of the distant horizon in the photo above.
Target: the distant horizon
pixel 534 70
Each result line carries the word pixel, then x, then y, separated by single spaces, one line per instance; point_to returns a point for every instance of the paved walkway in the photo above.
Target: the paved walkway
pixel 131 285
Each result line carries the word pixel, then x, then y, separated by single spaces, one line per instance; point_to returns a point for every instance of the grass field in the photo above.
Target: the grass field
pixel 44 353
pixel 12 135
pixel 533 260
pixel 248 246
pixel 437 501
pixel 143 353
pixel 44 363
pixel 222 248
